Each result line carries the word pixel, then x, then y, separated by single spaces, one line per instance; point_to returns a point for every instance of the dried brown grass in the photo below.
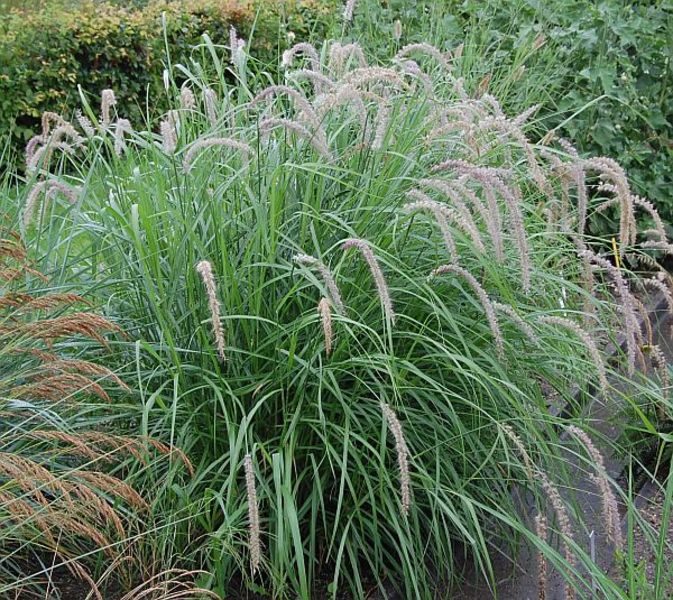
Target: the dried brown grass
pixel 54 494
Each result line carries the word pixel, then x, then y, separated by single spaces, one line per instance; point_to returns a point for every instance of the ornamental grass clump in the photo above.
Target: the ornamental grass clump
pixel 362 181
pixel 64 503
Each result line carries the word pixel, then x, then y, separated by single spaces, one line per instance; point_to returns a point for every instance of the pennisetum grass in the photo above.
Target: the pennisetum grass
pixel 205 270
pixel 364 248
pixel 349 8
pixel 336 151
pixel 402 455
pixel 108 102
pixel 253 515
pixel 611 516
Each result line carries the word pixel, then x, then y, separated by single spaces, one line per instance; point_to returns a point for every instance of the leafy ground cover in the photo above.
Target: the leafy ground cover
pixel 349 299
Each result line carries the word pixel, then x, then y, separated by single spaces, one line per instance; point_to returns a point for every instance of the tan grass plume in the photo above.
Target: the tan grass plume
pixel 205 269
pixel 253 515
pixel 402 449
pixel 325 311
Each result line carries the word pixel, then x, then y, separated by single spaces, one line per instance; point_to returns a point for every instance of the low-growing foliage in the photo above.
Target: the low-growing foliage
pixel 60 504
pixel 352 292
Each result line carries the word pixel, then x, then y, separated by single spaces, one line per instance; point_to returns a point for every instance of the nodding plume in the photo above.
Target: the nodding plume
pixel 613 177
pixel 523 117
pixel 660 363
pixel 649 208
pixel 316 140
pixel 169 138
pixel 210 102
pixel 591 347
pixel 346 94
pixel 205 269
pixel 483 298
pixel 307 50
pixel 320 82
pixel 402 455
pixel 253 515
pixel 489 212
pixel 382 126
pixel 602 481
pixel 327 277
pixel 86 125
pixel 305 112
pixel 508 127
pixel 187 99
pixel 457 211
pixel 441 214
pixel 325 311
pixel 412 68
pixel 123 126
pixel 492 181
pixel 397 30
pixel 348 10
pixel 425 48
pixel 381 285
pixel 340 54
pixel 577 170
pixel 524 327
pixel 236 45
pixel 66 131
pixel 365 75
pixel 49 188
pixel 51 117
pixel 55 141
pixel 42 156
pixel 521 450
pixel 626 303
pixel 108 100
pixel 31 148
pixel 657 283
pixel 209 143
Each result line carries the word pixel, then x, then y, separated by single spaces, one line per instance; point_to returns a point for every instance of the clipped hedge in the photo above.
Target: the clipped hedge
pixel 46 53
